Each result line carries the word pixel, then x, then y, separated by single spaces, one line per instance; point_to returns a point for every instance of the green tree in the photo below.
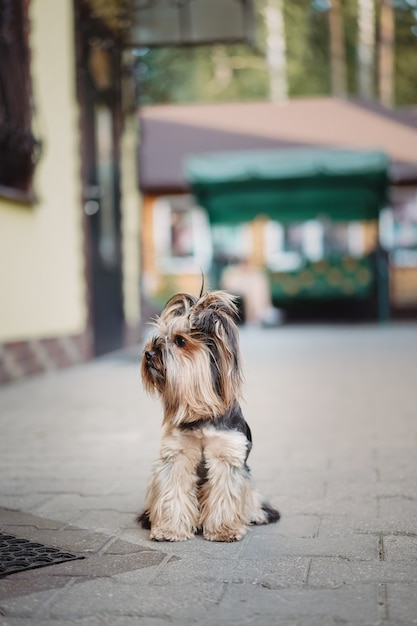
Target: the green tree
pixel 386 45
pixel 405 60
pixel 319 51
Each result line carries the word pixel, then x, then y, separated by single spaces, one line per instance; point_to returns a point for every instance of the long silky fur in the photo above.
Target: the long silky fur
pixel 201 479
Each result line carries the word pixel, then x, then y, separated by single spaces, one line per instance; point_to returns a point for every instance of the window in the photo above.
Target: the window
pixel 398 228
pixel 288 247
pixel 19 149
pixel 182 236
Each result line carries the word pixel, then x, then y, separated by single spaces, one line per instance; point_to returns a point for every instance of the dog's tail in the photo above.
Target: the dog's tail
pixel 144 521
pixel 272 515
pixel 261 511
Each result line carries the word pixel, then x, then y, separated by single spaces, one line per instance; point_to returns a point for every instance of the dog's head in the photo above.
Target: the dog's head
pixel 193 361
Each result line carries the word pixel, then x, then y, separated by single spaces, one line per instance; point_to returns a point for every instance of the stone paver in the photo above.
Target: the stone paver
pixel 333 412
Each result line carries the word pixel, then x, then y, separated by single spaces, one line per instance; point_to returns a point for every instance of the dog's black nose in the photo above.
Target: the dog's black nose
pixel 149 354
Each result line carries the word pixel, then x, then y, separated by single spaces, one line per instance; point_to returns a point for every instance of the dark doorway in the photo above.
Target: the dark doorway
pixel 102 210
pixel 98 81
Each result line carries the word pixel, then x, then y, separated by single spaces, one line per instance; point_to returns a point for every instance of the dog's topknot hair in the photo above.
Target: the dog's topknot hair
pixel 178 305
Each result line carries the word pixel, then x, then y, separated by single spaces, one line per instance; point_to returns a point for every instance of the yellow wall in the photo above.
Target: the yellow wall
pixel 42 285
pixel 130 210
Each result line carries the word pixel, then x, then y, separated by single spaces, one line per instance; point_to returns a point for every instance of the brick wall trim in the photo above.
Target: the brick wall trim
pixel 22 359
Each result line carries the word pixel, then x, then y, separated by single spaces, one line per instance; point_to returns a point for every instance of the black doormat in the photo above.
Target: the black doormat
pixel 17 555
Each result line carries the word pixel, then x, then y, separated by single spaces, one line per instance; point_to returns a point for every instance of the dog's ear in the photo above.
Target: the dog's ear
pixel 214 316
pixel 178 305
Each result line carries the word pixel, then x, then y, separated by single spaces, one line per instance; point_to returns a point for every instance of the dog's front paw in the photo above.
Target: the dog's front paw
pixel 166 534
pixel 225 534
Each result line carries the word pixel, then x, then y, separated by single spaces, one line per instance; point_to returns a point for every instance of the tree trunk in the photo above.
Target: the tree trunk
pixel 366 48
pixel 386 53
pixel 337 50
pixel 276 50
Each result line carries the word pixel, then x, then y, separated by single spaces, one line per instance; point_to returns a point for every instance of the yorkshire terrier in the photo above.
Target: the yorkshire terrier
pixel 201 482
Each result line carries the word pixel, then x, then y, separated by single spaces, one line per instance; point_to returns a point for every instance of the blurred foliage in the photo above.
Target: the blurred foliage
pixel 406 55
pixel 204 73
pixel 239 72
pixel 307 42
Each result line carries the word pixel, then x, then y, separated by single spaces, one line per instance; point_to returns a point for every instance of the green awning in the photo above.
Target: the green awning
pixel 292 184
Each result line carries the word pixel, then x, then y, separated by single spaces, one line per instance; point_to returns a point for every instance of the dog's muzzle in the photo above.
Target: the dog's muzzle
pixel 149 355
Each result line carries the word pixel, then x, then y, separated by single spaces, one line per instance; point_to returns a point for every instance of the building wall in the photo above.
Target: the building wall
pixel 43 315
pixel 42 286
pixel 130 210
pixel 150 274
pixel 161 280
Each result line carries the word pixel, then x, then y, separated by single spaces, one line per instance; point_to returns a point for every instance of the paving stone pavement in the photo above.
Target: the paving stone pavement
pixel 333 411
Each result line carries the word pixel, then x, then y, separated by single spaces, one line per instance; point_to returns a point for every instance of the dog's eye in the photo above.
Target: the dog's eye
pixel 179 341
